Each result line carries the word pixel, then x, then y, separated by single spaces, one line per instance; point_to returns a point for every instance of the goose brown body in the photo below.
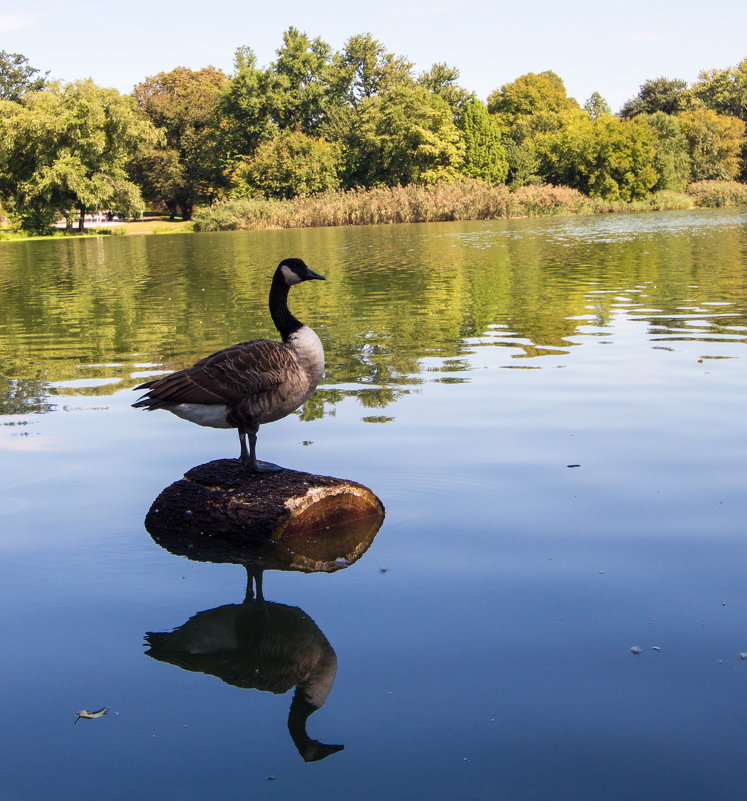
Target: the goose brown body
pixel 250 383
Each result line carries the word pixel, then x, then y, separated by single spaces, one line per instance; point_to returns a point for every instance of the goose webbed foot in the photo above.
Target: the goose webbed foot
pixel 267 467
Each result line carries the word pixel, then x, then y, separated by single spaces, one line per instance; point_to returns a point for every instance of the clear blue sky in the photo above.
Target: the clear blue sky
pixel 609 46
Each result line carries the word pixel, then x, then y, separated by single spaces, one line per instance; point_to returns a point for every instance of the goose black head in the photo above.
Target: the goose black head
pixel 295 270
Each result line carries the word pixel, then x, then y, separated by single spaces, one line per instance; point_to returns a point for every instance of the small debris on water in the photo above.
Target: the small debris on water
pixel 340 562
pixel 655 648
pixel 743 654
pixel 573 465
pixel 636 650
pixel 383 569
pixel 86 715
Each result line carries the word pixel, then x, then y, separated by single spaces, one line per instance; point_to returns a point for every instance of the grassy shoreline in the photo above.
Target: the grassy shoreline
pixel 445 202
pixel 153 225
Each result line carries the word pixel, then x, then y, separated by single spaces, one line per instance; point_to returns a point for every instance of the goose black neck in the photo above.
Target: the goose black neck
pixel 310 750
pixel 284 321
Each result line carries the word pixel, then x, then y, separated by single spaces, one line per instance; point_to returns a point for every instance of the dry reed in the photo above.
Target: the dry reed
pixel 458 200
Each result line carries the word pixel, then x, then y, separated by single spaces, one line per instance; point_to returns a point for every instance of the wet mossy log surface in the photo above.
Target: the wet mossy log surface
pixel 222 506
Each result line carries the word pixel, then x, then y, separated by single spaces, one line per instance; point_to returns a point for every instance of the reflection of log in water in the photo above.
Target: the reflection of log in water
pixel 263 646
pixel 287 520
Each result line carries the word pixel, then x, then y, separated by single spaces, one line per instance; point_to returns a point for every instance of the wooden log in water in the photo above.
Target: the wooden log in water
pixel 220 512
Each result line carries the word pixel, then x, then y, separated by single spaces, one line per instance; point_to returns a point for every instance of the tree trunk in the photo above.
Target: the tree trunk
pixel 82 220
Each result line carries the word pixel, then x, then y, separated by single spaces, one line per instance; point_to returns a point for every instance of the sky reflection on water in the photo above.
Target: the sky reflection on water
pixel 483 641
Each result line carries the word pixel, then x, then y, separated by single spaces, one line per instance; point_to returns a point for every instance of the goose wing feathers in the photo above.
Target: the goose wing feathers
pixel 226 377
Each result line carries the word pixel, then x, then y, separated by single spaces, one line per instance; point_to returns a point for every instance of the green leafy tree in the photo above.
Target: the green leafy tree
pixel 484 155
pixel 527 109
pixel 246 107
pixel 361 71
pixel 672 160
pixel 364 69
pixel 596 106
pixel 401 136
pixel 520 142
pixel 302 96
pixel 661 94
pixel 724 91
pixel 530 94
pixel 187 168
pixel 523 163
pixel 291 164
pixel 65 149
pixel 441 80
pixel 605 157
pixel 18 77
pixel 715 143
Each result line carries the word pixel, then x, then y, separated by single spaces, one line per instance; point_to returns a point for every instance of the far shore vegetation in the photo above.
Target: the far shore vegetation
pixel 321 138
pixel 416 203
pixel 458 200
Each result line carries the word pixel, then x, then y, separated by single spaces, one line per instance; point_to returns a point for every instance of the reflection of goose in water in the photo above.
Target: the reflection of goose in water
pixel 251 383
pixel 259 645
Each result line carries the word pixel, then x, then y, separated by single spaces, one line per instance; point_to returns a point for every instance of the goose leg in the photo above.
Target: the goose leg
pixel 253 449
pixel 249 458
pixel 258 583
pixel 244 458
pixel 253 579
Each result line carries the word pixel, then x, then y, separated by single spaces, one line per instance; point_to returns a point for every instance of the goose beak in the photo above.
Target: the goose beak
pixel 312 274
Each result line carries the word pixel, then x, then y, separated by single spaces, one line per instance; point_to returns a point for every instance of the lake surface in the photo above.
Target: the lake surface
pixel 553 414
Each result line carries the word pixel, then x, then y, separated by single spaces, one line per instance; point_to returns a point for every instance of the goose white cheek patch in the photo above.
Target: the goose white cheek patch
pixel 290 277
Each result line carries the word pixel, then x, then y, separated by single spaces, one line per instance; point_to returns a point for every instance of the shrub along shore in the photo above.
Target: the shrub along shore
pixel 447 201
pixel 442 202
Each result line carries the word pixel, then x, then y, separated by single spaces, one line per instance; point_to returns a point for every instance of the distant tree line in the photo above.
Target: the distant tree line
pixel 315 120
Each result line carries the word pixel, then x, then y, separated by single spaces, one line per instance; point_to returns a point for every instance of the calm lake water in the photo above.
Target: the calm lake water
pixel 552 412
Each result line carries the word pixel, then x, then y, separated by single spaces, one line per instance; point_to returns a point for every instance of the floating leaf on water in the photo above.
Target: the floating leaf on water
pixel 86 715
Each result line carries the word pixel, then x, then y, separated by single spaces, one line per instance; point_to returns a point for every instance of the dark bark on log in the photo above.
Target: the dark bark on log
pixel 289 520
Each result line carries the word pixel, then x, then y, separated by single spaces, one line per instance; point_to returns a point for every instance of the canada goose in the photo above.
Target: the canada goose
pixel 250 383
